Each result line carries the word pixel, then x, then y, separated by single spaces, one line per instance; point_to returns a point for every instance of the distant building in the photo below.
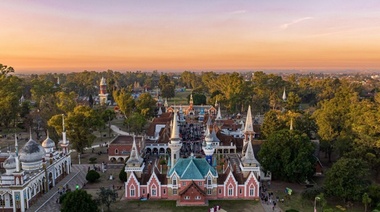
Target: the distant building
pixel 103 95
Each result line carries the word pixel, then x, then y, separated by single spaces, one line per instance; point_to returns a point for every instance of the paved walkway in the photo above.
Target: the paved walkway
pixel 48 201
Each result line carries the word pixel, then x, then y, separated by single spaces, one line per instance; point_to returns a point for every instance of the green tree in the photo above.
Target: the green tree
pixel 272 123
pixel 92 176
pixel 123 175
pixel 347 179
pixel 293 102
pixel 80 125
pixel 78 200
pixel 10 93
pixel 66 101
pixel 366 200
pixel 288 155
pixel 145 105
pixel 322 200
pixel 164 81
pixel 5 70
pixel 107 196
pixel 136 123
pixel 198 98
pixel 125 101
pixel 168 91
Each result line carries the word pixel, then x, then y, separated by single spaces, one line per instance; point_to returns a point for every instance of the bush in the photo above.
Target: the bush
pixel 123 175
pixel 92 160
pixel 92 176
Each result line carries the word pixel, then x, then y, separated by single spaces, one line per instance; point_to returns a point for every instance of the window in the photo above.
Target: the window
pixel 174 181
pixel 154 190
pixel 240 191
pixel 251 191
pixel 200 183
pixel 230 190
pixel 209 182
pixel 183 183
pixel 116 151
pixel 198 197
pixel 143 191
pixel 220 191
pixel 174 191
pixel 2 200
pixel 208 191
pixel 132 191
pixel 164 191
pixel 187 197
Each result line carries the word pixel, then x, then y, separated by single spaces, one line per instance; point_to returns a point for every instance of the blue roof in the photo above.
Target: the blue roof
pixel 192 168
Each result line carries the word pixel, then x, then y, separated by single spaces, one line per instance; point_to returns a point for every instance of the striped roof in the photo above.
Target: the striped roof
pixel 192 168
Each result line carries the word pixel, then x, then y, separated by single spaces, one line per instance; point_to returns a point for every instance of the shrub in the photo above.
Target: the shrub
pixel 123 175
pixel 92 160
pixel 92 176
pixel 311 193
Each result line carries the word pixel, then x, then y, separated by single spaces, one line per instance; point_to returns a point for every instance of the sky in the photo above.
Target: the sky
pixel 193 35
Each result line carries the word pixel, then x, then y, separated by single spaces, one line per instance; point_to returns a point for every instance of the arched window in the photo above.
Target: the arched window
pixel 230 190
pixel 132 191
pixel 154 193
pixel 116 151
pixel 251 190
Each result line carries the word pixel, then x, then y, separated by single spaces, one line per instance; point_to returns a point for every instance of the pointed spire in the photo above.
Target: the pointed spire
pixel 30 133
pixel 175 129
pixel 284 95
pixel 159 111
pixel 135 156
pixel 16 145
pixel 103 81
pixel 249 157
pixel 291 124
pixel 191 99
pixel 216 103
pixel 219 115
pixel 166 103
pixel 248 122
pixel 63 123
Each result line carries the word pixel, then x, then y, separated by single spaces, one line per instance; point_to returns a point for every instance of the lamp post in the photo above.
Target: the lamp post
pixel 315 203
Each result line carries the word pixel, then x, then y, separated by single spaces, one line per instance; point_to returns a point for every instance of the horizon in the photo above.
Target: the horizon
pixel 175 36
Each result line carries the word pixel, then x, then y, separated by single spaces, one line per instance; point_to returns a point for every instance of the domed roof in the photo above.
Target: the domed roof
pixel 31 152
pixel 10 162
pixel 48 143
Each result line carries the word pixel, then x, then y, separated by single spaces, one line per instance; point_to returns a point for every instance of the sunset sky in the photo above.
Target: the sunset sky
pixel 198 35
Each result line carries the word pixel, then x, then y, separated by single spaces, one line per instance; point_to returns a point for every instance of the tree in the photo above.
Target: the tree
pixel 164 81
pixel 123 175
pixel 125 101
pixel 168 91
pixel 107 196
pixel 66 101
pixel 5 70
pixel 288 155
pixel 322 200
pixel 347 178
pixel 366 200
pixel 92 176
pixel 136 123
pixel 79 124
pixel 78 200
pixel 145 105
pixel 10 93
pixel 198 98
pixel 293 102
pixel 272 123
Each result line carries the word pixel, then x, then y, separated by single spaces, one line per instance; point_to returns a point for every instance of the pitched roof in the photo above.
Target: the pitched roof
pixel 192 184
pixel 192 168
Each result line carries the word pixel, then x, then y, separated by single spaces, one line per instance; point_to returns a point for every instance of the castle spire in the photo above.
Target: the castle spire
pixel 219 115
pixel 17 158
pixel 291 124
pixel 134 159
pixel 249 157
pixel 284 95
pixel 191 99
pixel 248 122
pixel 175 143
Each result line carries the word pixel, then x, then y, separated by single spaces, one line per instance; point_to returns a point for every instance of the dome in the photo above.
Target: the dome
pixel 48 143
pixel 32 152
pixel 10 162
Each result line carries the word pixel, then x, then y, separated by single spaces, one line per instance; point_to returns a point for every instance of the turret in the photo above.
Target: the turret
pixel 103 91
pixel 135 162
pixel 65 142
pixel 209 148
pixel 17 158
pixel 175 142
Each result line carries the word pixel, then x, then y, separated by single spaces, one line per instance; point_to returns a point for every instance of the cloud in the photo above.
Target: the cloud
pixel 285 26
pixel 237 12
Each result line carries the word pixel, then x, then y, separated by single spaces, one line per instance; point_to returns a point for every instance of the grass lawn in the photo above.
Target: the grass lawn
pixel 168 206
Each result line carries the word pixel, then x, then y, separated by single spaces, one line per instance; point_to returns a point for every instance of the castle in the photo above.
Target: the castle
pixel 193 180
pixel 32 171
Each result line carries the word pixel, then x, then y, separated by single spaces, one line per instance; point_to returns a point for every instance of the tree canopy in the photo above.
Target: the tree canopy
pixel 78 200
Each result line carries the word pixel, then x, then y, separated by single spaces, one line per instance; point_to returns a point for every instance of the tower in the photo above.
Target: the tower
pixel 219 115
pixel 191 101
pixel 209 148
pixel 103 91
pixel 284 96
pixel 65 142
pixel 175 143
pixel 248 129
pixel 135 162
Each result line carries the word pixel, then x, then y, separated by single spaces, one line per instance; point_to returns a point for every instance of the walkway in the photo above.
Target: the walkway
pixel 48 200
